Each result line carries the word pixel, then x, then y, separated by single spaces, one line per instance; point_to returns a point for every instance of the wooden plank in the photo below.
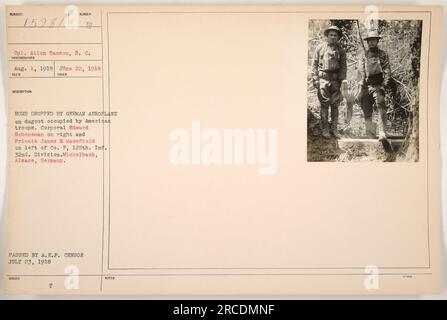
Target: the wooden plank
pixel 368 140
pixel 390 145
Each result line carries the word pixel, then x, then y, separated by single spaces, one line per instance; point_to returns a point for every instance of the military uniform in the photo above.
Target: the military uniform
pixel 375 71
pixel 328 71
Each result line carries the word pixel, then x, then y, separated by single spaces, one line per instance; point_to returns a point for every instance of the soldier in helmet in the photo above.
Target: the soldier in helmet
pixel 328 71
pixel 375 76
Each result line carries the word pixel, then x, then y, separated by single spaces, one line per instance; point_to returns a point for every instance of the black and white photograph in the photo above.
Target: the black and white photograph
pixel 198 152
pixel 363 90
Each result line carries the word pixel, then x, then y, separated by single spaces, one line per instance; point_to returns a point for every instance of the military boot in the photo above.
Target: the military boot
pixel 370 128
pixel 324 114
pixel 382 123
pixel 334 122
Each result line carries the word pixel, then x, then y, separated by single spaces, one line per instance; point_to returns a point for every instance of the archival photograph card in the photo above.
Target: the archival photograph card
pixel 225 150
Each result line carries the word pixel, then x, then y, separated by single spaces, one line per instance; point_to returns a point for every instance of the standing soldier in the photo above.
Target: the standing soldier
pixel 328 71
pixel 375 76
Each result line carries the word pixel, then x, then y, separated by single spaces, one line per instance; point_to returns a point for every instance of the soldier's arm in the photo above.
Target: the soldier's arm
pixel 343 66
pixel 315 62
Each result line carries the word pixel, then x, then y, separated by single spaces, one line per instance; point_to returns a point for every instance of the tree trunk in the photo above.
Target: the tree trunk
pixel 410 148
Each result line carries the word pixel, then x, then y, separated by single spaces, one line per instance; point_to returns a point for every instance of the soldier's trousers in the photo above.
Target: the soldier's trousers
pixel 372 94
pixel 329 95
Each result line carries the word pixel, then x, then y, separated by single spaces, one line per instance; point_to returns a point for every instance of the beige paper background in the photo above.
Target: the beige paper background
pixel 311 228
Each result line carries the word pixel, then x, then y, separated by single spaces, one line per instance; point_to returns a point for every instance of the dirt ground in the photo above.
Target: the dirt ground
pixel 320 149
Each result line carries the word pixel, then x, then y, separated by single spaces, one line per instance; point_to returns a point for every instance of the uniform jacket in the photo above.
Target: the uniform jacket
pixel 329 58
pixel 375 67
